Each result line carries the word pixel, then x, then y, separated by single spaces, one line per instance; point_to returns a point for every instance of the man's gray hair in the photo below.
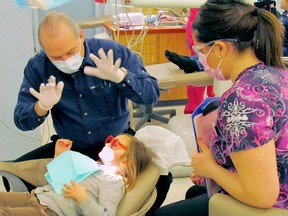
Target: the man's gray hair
pixel 51 23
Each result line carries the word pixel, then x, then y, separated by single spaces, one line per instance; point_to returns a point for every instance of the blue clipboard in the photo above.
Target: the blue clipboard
pixel 203 122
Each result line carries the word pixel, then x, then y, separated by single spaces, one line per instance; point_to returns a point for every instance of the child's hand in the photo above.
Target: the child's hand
pixel 196 179
pixel 75 191
pixel 61 146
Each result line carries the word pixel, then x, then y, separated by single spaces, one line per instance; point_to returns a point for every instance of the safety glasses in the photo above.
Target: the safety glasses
pixel 114 143
pixel 198 49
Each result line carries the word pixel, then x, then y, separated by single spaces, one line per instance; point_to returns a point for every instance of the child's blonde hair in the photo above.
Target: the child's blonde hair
pixel 136 159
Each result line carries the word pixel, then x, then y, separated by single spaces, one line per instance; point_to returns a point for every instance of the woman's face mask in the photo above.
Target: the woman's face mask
pixel 215 73
pixel 70 65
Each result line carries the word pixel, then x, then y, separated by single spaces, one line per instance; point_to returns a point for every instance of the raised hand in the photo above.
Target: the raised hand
pixel 61 146
pixel 106 69
pixel 48 94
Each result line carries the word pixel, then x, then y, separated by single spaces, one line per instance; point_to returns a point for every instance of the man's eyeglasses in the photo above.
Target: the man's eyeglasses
pixel 114 143
pixel 198 49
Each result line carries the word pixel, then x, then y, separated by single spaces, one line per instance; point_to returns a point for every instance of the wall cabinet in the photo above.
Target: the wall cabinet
pixel 156 41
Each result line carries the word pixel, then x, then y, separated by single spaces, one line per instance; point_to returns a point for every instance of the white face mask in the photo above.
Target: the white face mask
pixel 70 65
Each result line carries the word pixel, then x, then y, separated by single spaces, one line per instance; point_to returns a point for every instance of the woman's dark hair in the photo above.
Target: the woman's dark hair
pixel 252 27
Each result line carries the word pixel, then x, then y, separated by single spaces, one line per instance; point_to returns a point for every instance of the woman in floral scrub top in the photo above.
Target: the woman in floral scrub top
pixel 248 155
pixel 252 113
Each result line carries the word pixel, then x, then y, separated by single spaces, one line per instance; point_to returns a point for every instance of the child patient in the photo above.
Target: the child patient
pixel 124 158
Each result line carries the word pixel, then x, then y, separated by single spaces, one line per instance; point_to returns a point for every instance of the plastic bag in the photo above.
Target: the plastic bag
pixel 169 148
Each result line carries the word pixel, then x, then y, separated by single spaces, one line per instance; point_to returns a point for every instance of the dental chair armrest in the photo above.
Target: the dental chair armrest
pixel 31 171
pixel 16 184
pixel 139 200
pixel 169 75
pixel 221 204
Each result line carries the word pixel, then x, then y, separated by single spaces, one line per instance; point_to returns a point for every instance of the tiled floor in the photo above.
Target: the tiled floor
pixel 177 190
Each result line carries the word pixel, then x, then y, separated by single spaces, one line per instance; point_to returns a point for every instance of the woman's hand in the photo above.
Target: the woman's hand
pixel 203 163
pixel 75 191
pixel 196 179
pixel 61 146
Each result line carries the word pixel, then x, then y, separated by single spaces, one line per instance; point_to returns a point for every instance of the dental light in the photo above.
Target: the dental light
pixel 168 3
pixel 41 4
pixel 171 3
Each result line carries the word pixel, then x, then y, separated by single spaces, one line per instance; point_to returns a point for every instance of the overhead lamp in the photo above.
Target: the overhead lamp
pixel 168 3
pixel 171 3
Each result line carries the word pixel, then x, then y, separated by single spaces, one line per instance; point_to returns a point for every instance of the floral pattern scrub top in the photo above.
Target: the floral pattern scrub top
pixel 251 113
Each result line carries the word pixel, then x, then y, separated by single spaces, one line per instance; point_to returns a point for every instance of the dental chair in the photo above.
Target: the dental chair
pixel 135 202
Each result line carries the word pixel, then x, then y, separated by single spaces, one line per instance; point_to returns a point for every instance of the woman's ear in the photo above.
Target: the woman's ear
pixel 221 48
